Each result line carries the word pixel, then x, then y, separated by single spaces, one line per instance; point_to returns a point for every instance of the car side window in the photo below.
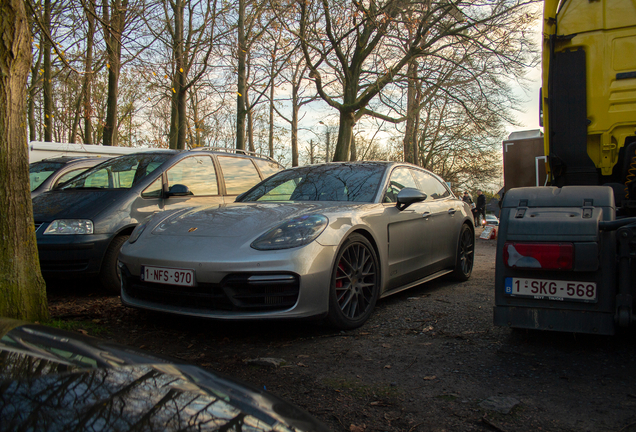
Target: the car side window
pixel 154 190
pixel 197 173
pixel 69 175
pixel 239 174
pixel 430 185
pixel 400 178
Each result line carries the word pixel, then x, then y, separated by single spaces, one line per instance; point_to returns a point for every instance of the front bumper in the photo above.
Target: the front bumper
pixel 292 283
pixel 62 255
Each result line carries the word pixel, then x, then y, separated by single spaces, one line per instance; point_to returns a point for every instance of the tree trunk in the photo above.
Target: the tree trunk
pixel 47 86
pixel 412 113
pixel 240 97
pixel 22 289
pixel 88 77
pixel 113 23
pixel 76 119
pixel 294 135
pixel 345 132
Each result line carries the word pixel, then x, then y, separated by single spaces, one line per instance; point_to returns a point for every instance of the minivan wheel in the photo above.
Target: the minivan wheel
pixel 108 274
pixel 355 284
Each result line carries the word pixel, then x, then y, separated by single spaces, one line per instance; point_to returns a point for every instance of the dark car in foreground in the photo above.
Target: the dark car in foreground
pixel 81 225
pixel 47 174
pixel 53 380
pixel 320 241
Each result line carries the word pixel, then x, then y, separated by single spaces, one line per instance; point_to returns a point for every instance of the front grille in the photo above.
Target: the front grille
pixel 236 292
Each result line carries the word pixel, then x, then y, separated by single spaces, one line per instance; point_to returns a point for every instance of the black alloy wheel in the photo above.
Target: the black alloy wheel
pixel 355 283
pixel 465 254
pixel 108 273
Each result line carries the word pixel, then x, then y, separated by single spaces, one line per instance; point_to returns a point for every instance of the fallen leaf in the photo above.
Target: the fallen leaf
pixel 82 331
pixel 301 365
pixel 428 378
pixel 387 367
pixel 354 428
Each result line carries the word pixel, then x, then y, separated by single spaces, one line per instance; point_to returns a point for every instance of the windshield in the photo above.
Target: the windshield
pixel 119 173
pixel 40 171
pixel 335 182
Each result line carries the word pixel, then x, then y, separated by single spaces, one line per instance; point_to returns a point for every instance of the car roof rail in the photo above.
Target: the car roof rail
pixel 235 151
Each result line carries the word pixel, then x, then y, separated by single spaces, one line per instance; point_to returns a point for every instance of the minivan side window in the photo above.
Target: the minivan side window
pixel 432 187
pixel 239 174
pixel 197 173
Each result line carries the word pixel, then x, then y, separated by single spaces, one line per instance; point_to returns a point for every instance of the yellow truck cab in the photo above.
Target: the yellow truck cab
pixel 566 252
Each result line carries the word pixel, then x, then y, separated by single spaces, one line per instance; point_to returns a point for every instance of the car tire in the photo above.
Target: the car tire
pixel 465 254
pixel 108 274
pixel 355 284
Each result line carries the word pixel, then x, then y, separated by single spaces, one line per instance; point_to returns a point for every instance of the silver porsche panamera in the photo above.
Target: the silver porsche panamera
pixel 320 241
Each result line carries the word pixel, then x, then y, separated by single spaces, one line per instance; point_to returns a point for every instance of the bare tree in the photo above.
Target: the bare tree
pixel 361 44
pixel 22 289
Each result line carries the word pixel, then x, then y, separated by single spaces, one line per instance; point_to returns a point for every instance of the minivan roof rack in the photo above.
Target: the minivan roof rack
pixel 236 151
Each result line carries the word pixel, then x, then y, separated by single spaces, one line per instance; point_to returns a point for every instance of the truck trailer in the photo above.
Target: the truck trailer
pixel 566 252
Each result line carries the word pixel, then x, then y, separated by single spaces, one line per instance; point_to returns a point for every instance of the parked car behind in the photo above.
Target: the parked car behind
pixel 81 225
pixel 49 173
pixel 320 241
pixel 491 220
pixel 54 380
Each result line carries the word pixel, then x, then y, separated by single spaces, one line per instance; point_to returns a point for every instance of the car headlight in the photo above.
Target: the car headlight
pixel 292 233
pixel 70 226
pixel 138 230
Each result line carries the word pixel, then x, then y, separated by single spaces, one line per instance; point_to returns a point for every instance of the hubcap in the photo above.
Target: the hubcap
pixel 355 280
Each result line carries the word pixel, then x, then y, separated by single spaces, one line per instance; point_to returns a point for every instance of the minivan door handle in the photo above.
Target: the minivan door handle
pixel 451 211
pixel 426 214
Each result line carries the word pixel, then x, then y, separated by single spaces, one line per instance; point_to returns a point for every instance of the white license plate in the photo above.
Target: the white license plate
pixel 545 289
pixel 168 276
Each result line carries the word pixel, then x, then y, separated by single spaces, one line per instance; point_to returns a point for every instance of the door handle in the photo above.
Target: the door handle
pixel 426 214
pixel 451 211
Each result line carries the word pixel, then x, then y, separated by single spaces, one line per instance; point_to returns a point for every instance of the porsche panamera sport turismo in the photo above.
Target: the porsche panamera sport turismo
pixel 320 241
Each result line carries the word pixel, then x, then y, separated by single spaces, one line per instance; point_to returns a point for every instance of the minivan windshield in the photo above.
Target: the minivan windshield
pixel 332 182
pixel 119 173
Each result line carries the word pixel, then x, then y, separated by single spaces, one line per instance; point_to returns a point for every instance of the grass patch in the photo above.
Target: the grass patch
pixel 359 390
pixel 89 327
pixel 447 397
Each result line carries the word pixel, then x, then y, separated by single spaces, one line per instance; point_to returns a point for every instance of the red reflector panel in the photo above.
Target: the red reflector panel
pixel 547 256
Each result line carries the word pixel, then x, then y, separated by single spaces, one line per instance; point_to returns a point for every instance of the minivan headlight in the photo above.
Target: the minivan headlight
pixel 70 226
pixel 293 233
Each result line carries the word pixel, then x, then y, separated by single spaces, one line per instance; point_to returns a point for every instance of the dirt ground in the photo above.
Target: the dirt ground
pixel 426 361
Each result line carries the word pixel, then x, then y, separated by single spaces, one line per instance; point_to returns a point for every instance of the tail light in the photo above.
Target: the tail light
pixel 547 256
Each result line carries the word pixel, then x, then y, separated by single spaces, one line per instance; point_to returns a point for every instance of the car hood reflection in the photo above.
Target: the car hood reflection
pixel 57 381
pixel 241 219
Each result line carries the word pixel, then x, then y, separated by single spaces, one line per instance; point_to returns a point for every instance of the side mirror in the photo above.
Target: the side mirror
pixel 408 196
pixel 178 190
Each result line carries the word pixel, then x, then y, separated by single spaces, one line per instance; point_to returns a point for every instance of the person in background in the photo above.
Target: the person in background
pixel 481 207
pixel 466 198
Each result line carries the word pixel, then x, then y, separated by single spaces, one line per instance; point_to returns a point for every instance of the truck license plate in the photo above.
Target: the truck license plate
pixel 168 276
pixel 545 289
